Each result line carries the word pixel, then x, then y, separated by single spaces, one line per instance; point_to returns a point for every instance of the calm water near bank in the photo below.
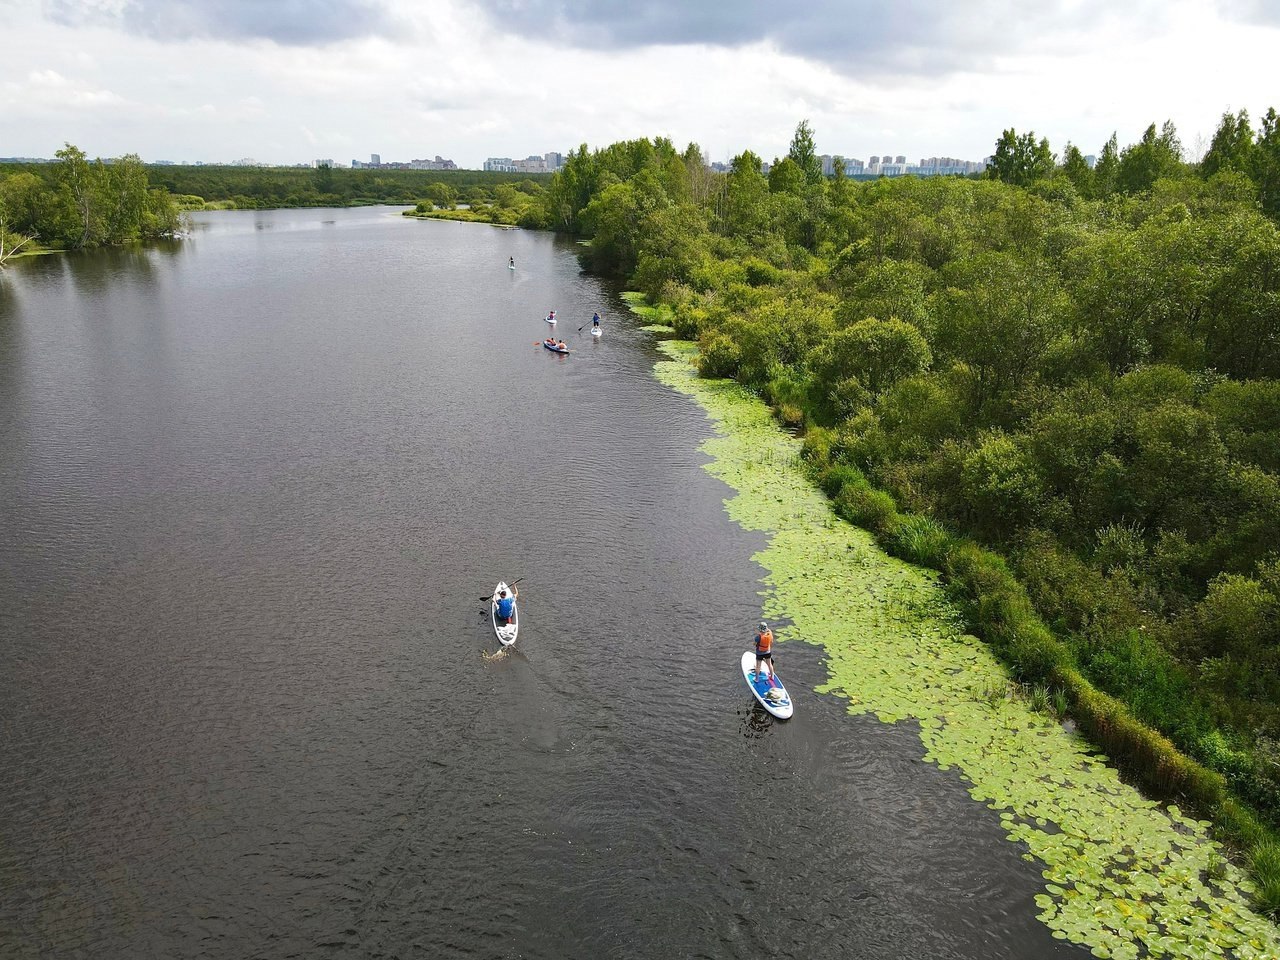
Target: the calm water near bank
pixel 252 486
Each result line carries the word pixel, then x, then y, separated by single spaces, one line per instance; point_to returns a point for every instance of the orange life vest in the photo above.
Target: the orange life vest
pixel 764 642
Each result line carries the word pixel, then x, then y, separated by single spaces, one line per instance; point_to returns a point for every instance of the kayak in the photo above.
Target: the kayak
pixel 772 695
pixel 505 632
pixel 511 266
pixel 550 320
pixel 555 349
pixel 597 332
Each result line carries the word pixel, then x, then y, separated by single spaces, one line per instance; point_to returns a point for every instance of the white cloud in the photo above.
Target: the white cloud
pixel 449 80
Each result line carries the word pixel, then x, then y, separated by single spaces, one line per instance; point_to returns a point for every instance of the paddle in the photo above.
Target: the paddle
pixel 511 584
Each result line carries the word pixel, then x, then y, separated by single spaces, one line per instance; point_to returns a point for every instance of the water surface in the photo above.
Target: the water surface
pixel 252 486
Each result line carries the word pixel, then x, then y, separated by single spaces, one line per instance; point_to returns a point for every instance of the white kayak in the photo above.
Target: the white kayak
pixel 768 690
pixel 550 320
pixel 597 332
pixel 506 632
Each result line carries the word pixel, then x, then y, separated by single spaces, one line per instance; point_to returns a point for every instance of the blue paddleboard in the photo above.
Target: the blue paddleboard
pixel 770 692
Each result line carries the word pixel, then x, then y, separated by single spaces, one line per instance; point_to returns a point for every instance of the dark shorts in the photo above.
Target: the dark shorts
pixel 764 656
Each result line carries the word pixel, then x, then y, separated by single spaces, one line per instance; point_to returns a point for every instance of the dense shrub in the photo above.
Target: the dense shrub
pixel 1080 376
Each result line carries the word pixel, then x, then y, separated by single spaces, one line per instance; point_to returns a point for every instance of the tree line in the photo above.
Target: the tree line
pixel 76 203
pixel 249 188
pixel 79 204
pixel 1059 384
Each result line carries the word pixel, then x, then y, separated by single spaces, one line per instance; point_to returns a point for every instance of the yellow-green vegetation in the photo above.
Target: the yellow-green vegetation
pixel 463 215
pixel 659 316
pixel 1124 875
pixel 520 204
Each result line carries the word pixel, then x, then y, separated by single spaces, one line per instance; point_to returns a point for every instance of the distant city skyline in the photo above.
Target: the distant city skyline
pixel 214 80
pixel 552 161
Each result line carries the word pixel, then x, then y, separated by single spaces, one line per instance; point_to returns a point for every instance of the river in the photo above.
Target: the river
pixel 252 487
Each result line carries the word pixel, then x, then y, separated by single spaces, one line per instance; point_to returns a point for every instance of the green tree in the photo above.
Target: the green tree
pixel 746 204
pixel 1266 172
pixel 617 220
pixel 1076 170
pixel 162 216
pixel 875 353
pixel 1106 172
pixel 82 188
pixel 804 154
pixel 999 314
pixel 701 183
pixel 1002 489
pixel 126 198
pixel 442 195
pixel 322 178
pixel 841 187
pixel 572 188
pixel 672 244
pixel 1232 146
pixel 506 196
pixel 1021 160
pixel 1236 314
pixel 786 176
pixel 1156 155
pixel 29 204
pixel 11 242
pixel 886 288
pixel 1180 464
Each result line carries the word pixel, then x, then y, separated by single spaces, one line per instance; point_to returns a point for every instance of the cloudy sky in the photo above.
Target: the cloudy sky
pixel 287 81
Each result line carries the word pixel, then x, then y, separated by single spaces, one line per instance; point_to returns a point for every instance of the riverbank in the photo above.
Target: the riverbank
pixel 1124 875
pixel 495 218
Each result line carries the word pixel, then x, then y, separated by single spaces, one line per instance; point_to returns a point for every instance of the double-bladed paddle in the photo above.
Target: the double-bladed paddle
pixel 511 584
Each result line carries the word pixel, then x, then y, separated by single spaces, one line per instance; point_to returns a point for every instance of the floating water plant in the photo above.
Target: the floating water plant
pixel 1124 875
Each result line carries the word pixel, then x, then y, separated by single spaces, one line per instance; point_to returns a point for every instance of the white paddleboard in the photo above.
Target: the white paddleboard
pixel 771 693
pixel 505 632
pixel 597 332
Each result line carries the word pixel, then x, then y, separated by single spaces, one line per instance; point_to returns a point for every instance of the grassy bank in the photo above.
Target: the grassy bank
pixel 1125 875
pixel 501 218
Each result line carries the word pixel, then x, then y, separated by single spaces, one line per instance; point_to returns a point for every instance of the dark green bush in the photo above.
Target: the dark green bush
pixel 864 507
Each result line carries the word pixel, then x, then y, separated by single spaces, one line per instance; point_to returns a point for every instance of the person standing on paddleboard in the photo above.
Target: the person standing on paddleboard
pixel 507 604
pixel 764 649
pixel 595 321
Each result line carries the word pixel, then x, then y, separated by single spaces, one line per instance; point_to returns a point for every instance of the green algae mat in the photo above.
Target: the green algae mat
pixel 1124 876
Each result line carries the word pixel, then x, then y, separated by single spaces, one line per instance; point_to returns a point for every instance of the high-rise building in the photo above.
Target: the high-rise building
pixel 375 159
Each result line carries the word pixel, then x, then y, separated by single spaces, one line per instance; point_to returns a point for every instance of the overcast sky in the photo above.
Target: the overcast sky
pixel 287 81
